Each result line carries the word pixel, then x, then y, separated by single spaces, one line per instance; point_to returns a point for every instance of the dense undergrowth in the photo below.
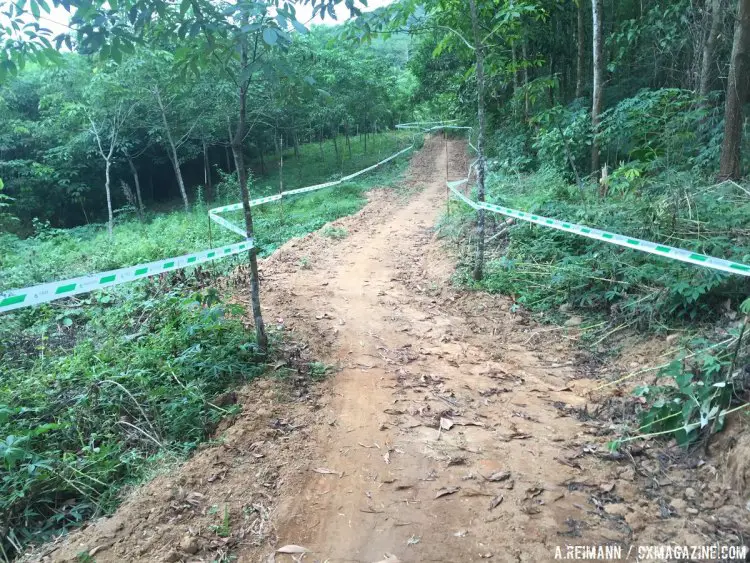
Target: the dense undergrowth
pixel 97 391
pixel 662 188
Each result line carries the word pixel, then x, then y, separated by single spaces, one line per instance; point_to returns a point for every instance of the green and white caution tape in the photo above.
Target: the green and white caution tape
pixel 214 213
pixel 613 238
pixel 47 292
pixel 44 293
pixel 663 250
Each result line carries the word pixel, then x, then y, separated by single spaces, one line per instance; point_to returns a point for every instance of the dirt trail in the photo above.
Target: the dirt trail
pixel 406 363
pixel 453 429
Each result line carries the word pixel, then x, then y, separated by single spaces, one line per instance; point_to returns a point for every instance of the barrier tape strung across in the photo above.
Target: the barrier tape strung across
pixel 613 238
pixel 46 292
pixel 214 213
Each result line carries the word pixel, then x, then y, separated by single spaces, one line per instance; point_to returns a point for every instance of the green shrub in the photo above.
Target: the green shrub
pixel 137 381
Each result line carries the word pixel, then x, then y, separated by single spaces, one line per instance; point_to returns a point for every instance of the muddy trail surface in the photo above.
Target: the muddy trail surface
pixel 452 427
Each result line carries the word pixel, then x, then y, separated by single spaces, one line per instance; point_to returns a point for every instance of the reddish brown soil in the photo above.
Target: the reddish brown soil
pixel 401 455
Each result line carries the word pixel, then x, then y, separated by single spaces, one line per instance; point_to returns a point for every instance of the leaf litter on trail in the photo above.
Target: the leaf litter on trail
pixel 446 491
pixel 446 424
pixel 326 471
pixel 293 549
pixel 496 501
pixel 389 558
pixel 498 476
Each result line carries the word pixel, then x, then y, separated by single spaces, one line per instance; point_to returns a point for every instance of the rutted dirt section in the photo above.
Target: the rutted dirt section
pixel 454 430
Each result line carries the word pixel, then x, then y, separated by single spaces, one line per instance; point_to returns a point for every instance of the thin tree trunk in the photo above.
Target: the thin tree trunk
pixel 737 94
pixel 172 151
pixel 137 182
pixel 481 162
pixel 526 104
pixel 207 173
pixel 348 142
pixel 320 146
pixel 262 160
pixel 581 56
pixel 336 144
pixel 110 223
pixel 596 108
pixel 239 160
pixel 229 161
pixel 709 47
pixel 296 143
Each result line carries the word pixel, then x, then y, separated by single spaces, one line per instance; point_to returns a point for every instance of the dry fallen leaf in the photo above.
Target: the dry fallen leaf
pixel 389 558
pixel 476 493
pixel 446 491
pixel 393 411
pixel 325 471
pixel 291 548
pixel 532 492
pixel 461 533
pixel 607 487
pixel 387 457
pixel 446 423
pixel 498 476
pixel 495 501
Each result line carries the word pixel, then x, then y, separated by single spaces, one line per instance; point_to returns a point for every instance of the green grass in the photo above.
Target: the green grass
pixel 58 254
pixel 544 268
pixel 96 391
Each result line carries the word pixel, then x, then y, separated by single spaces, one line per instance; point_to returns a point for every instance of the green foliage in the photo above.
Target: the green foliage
pixel 94 393
pixel 545 269
pixel 691 396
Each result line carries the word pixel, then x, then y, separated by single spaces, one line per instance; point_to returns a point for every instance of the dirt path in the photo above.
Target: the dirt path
pixel 454 429
pixel 431 401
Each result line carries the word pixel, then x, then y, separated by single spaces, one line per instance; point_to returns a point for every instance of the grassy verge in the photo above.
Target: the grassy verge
pixel 545 269
pixel 96 391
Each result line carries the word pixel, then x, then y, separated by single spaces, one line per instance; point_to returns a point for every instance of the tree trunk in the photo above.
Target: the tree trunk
pixel 709 47
pixel 524 52
pixel 262 160
pixel 737 93
pixel 110 223
pixel 336 145
pixel 229 161
pixel 596 108
pixel 296 143
pixel 137 182
pixel 348 142
pixel 581 58
pixel 239 161
pixel 481 162
pixel 207 173
pixel 173 152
